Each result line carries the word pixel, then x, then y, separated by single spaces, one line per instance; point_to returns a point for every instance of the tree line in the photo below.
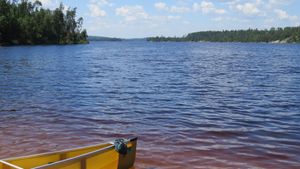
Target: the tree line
pixel 23 22
pixel 279 35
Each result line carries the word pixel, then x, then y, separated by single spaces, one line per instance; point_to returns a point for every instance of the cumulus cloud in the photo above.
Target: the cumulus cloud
pixel 229 19
pixel 283 15
pixel 248 8
pixel 277 2
pixel 207 7
pixel 45 2
pixel 173 9
pixel 51 4
pixel 161 6
pixel 176 9
pixel 268 10
pixel 101 3
pixel 137 14
pixel 96 11
pixel 132 13
pixel 96 7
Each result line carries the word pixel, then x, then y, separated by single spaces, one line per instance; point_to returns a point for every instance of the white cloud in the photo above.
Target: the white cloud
pixel 229 19
pixel 132 13
pixel 51 4
pixel 283 15
pixel 161 6
pixel 96 11
pixel 105 2
pixel 278 2
pixel 136 15
pixel 45 2
pixel 207 7
pixel 172 9
pixel 248 8
pixel 96 7
pixel 176 9
pixel 101 2
pixel 204 6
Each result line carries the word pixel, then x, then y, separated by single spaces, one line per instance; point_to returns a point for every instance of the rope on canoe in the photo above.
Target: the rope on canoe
pixel 121 146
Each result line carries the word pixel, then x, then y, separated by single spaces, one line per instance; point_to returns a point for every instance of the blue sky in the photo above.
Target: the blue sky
pixel 136 18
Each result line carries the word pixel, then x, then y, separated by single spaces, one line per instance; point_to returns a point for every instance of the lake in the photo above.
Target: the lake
pixel 192 105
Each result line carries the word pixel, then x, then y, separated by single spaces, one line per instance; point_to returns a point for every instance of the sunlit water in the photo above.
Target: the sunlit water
pixel 192 105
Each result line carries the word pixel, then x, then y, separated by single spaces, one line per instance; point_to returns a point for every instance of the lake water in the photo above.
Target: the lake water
pixel 192 105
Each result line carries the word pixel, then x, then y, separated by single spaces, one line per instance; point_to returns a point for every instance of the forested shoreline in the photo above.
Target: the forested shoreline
pixel 273 35
pixel 23 22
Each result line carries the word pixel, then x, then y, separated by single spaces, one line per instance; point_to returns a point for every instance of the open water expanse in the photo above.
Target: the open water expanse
pixel 192 105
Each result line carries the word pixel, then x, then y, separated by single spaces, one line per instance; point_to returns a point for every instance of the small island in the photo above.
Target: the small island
pixel 273 35
pixel 28 23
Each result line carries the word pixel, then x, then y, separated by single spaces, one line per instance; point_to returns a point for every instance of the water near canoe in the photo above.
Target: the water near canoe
pixel 193 105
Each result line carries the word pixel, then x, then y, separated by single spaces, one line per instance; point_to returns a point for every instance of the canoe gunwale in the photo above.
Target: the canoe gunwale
pixel 68 161
pixel 54 152
pixel 81 158
pixel 9 165
pixel 63 151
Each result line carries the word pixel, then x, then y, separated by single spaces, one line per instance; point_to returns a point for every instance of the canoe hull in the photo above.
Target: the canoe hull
pixel 101 156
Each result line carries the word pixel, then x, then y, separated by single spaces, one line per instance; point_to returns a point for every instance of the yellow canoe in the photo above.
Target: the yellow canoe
pixel 117 155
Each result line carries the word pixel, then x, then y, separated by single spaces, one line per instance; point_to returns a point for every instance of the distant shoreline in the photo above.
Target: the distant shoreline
pixel 273 35
pixel 273 42
pixel 129 40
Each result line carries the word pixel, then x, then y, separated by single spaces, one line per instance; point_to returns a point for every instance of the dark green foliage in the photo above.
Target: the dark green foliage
pixel 281 35
pixel 25 23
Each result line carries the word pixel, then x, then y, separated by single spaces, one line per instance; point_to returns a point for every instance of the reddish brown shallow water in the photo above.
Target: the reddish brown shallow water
pixel 23 138
pixel 207 105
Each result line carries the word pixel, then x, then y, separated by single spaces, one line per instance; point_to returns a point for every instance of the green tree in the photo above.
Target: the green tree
pixel 27 22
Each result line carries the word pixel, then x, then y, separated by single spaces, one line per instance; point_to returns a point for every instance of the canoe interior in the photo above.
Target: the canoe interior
pixel 101 156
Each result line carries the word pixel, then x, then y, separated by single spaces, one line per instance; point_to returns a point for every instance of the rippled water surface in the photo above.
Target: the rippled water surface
pixel 192 105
